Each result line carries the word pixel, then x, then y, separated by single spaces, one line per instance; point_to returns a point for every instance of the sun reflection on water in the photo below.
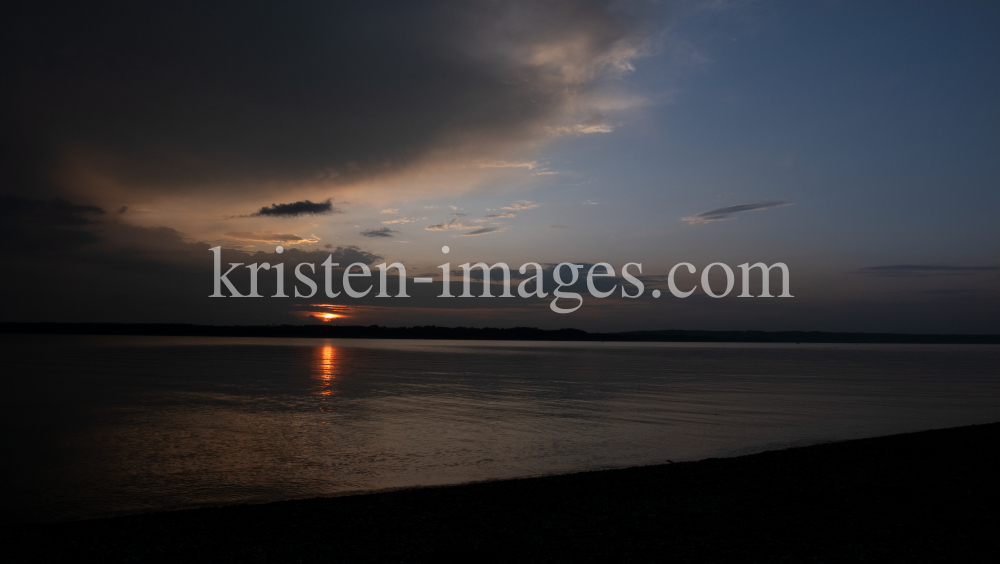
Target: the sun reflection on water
pixel 325 369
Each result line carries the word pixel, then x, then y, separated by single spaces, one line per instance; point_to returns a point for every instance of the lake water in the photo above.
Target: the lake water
pixel 97 426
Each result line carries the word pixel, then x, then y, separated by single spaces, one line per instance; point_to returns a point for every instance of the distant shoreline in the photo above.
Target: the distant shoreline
pixel 925 496
pixel 485 334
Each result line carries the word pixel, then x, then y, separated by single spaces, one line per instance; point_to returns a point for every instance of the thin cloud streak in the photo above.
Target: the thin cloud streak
pixel 504 164
pixel 402 220
pixel 726 213
pixel 477 224
pixel 270 237
pixel 923 270
pixel 522 205
pixel 482 231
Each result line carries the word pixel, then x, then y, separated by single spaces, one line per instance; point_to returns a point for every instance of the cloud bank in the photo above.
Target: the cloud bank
pixel 131 97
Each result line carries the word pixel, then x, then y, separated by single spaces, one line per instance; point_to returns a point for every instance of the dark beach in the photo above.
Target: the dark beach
pixel 927 496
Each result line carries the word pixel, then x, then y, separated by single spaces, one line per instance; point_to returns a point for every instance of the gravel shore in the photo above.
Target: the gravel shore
pixel 927 496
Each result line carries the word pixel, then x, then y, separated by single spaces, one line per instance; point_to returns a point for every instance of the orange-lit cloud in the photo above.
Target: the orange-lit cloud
pixel 271 237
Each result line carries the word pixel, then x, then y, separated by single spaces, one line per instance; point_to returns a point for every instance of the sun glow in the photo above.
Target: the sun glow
pixel 311 315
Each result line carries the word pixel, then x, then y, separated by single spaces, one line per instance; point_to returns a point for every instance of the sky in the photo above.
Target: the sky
pixel 858 143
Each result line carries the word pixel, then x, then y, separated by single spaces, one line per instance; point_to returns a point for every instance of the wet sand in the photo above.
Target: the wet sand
pixel 928 496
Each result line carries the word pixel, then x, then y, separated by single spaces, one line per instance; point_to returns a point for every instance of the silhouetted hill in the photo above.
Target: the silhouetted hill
pixel 486 334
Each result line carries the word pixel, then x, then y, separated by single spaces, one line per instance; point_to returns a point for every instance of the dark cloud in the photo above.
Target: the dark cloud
pixel 56 211
pixel 295 209
pixel 119 102
pixel 922 270
pixel 28 224
pixel 198 94
pixel 728 212
pixel 383 232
